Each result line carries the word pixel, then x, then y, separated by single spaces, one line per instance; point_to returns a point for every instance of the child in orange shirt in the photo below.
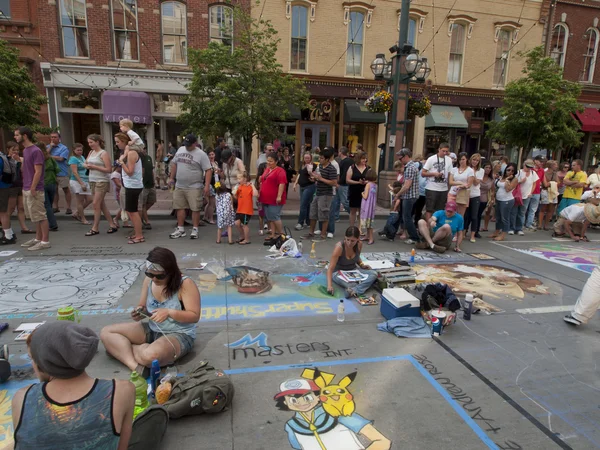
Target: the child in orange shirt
pixel 244 193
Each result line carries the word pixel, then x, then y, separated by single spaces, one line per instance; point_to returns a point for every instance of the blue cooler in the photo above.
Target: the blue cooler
pixel 398 302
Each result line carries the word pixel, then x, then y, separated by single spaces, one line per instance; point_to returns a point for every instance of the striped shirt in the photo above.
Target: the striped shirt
pixel 328 173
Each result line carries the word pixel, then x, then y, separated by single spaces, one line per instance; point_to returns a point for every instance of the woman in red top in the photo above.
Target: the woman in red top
pixel 272 196
pixel 244 192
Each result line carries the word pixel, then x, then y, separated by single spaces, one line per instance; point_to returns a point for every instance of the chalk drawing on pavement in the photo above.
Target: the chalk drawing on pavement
pixel 577 257
pixel 35 285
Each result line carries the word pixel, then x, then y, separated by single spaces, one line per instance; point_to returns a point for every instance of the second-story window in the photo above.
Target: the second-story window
pixel 73 23
pixel 299 37
pixel 502 53
pixel 221 25
pixel 174 33
pixel 124 16
pixel 412 32
pixel 558 47
pixel 355 44
pixel 457 48
pixel 589 58
pixel 4 9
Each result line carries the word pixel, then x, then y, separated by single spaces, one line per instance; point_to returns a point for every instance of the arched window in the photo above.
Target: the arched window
pixel 457 48
pixel 299 37
pixel 589 58
pixel 502 54
pixel 174 32
pixel 125 31
pixel 558 46
pixel 412 32
pixel 356 27
pixel 221 25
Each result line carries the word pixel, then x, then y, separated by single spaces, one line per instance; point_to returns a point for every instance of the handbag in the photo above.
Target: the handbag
pixel 462 197
pixel 518 195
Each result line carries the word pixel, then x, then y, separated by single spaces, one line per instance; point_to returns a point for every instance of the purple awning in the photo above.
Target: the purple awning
pixel 134 106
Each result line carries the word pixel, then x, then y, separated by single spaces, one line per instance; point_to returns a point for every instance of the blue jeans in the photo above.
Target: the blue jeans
pixel 306 195
pixel 391 226
pixel 343 194
pixel 359 288
pixel 334 212
pixel 49 193
pixel 534 204
pixel 517 215
pixel 407 208
pixel 503 210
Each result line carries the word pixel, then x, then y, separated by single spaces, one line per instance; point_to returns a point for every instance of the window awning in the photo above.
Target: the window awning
pixel 590 120
pixel 445 117
pixel 134 106
pixel 357 112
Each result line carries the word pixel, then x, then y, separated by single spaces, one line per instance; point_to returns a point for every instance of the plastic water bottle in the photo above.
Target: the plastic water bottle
pixel 341 311
pixel 468 307
pixel 313 251
pixel 155 375
pixel 141 393
pixel 299 247
pixel 412 255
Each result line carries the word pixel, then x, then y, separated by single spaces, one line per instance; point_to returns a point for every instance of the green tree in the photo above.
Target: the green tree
pixel 538 108
pixel 244 90
pixel 20 100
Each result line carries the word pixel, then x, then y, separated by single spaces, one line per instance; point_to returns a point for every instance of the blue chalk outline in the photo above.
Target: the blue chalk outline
pixel 453 403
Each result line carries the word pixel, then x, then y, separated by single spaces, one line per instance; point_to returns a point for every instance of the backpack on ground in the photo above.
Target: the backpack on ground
pixel 149 428
pixel 9 169
pixel 203 390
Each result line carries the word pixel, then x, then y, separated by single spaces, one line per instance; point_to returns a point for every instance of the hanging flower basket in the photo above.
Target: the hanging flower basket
pixel 380 102
pixel 419 105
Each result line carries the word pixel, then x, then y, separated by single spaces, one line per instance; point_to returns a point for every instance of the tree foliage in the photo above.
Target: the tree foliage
pixel 20 100
pixel 244 90
pixel 538 108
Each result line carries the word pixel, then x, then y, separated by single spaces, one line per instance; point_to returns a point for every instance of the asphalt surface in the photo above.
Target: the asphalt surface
pixel 520 378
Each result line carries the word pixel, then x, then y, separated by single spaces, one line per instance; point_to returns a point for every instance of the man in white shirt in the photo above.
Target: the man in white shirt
pixel 436 170
pixel 527 180
pixel 262 158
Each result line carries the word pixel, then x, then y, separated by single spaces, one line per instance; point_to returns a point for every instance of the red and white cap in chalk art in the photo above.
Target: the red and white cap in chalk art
pixel 296 386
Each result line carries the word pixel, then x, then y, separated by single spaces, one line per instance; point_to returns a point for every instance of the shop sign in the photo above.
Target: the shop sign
pixel 319 110
pixel 134 118
pixel 476 125
pixel 473 101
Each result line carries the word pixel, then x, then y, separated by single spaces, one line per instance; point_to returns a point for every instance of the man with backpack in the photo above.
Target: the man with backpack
pixel 8 169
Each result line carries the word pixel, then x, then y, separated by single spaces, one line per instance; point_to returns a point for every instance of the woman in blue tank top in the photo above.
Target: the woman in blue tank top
pixel 69 409
pixel 171 303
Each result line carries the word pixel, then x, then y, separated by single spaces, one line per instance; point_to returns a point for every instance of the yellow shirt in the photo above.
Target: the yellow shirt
pixel 571 192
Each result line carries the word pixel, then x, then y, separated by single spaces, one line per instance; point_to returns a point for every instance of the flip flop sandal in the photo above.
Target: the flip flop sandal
pixel 92 233
pixel 244 243
pixel 127 226
pixel 136 241
pixel 77 218
pixel 27 232
pixel 112 230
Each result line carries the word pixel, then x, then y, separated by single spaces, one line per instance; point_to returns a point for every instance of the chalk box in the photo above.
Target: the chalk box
pixel 398 302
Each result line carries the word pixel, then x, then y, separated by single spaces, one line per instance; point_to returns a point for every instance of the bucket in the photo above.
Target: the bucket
pixel 68 313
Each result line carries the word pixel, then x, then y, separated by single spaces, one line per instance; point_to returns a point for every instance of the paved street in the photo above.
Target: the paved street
pixel 518 379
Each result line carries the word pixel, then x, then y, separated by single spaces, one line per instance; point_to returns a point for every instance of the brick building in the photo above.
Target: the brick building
pixel 110 59
pixel 19 27
pixel 331 44
pixel 572 37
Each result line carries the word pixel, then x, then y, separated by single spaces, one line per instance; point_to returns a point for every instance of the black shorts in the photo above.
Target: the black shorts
pixel 4 196
pixel 243 218
pixel 435 200
pixel 131 199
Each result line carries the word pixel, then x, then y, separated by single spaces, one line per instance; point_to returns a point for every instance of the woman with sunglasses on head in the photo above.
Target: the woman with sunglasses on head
pixel 504 201
pixel 171 302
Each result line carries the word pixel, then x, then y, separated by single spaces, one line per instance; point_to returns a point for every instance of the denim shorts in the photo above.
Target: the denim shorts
pixel 272 212
pixel 186 342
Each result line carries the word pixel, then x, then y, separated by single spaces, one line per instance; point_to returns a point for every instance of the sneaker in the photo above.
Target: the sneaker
pixel 30 243
pixel 317 232
pixel 572 320
pixel 261 232
pixel 299 227
pixel 520 233
pixel 194 234
pixel 511 233
pixel 177 234
pixel 265 227
pixel 68 212
pixel 477 235
pixel 409 242
pixel 39 246
pixel 5 241
pixel 329 235
pixel 147 226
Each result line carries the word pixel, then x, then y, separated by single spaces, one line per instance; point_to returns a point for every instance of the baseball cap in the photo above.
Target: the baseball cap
pixel 296 386
pixel 189 140
pixel 404 152
pixel 451 206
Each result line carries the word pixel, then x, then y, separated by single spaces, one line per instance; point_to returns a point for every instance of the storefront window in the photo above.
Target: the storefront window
pixel 166 103
pixel 79 98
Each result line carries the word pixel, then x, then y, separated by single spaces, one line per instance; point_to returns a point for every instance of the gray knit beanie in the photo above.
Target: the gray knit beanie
pixel 63 349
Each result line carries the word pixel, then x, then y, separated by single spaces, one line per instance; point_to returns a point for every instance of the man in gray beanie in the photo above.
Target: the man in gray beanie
pixel 69 409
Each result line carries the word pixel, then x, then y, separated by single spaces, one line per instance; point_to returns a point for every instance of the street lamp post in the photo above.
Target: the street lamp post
pixel 406 66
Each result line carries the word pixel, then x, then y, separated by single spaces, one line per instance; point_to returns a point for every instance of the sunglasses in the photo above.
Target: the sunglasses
pixel 158 276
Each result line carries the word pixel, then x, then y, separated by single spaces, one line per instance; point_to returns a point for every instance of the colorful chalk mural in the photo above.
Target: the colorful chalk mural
pixel 485 280
pixel 6 425
pixel 324 414
pixel 574 256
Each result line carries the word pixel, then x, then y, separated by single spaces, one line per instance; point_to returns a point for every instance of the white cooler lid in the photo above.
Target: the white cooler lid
pixel 400 297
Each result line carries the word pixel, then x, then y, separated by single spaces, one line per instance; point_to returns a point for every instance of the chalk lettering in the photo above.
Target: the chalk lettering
pixel 281 349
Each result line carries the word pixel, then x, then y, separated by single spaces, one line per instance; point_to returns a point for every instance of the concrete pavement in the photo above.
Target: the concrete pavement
pixel 512 380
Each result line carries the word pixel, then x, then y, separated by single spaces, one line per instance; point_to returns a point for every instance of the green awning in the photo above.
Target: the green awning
pixel 445 117
pixel 357 112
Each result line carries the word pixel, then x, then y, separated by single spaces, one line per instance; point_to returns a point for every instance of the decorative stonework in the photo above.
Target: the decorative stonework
pixel 366 8
pixel 310 4
pixel 463 19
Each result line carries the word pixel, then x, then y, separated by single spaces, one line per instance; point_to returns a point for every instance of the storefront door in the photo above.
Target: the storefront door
pixel 315 135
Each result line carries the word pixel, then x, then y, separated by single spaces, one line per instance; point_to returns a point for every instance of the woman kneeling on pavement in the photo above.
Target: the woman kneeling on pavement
pixel 346 257
pixel 172 303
